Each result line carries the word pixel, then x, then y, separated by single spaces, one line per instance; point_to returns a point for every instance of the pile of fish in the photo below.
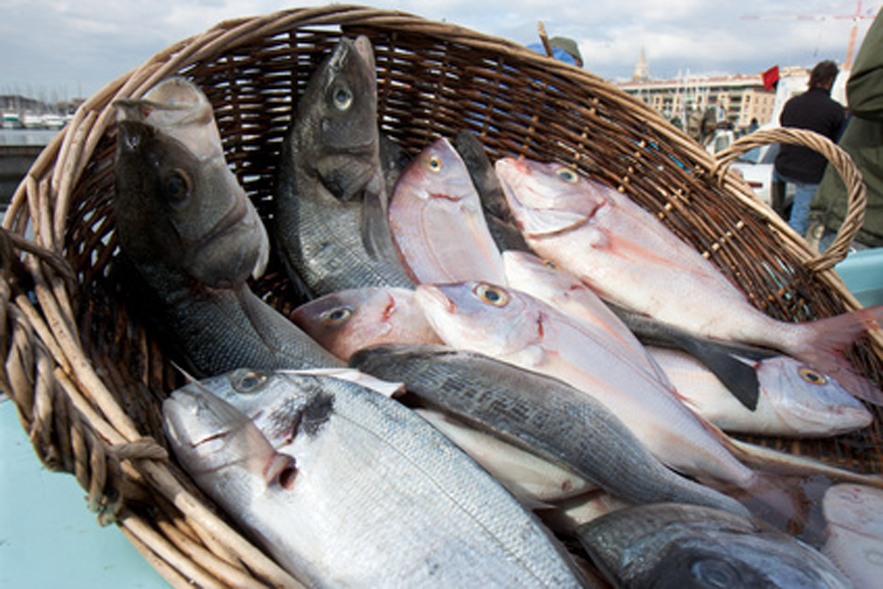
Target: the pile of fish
pixel 485 354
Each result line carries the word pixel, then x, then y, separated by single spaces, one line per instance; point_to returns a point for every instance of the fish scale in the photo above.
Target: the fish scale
pixel 540 414
pixel 380 498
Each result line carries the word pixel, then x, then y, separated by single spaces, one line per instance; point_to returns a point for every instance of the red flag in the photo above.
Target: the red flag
pixel 770 78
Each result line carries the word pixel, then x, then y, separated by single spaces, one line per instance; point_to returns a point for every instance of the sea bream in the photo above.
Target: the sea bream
pixel 346 487
pixel 793 399
pixel 539 414
pixel 631 259
pixel 188 229
pixel 331 196
pixel 437 222
pixel 349 320
pixel 671 546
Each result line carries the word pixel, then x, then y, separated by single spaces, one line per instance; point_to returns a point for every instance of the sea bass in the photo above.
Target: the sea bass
pixel 687 546
pixel 347 488
pixel 349 320
pixel 331 194
pixel 188 229
pixel 793 399
pixel 518 328
pixel 540 414
pixel 854 516
pixel 437 222
pixel 630 258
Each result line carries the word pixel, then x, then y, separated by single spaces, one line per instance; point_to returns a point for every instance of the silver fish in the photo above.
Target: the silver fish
pixel 691 547
pixel 331 193
pixel 359 491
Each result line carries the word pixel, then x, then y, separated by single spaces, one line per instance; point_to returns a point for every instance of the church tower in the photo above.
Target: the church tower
pixel 642 72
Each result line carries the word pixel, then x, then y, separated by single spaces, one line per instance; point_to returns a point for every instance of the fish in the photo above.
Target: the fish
pixel 345 487
pixel 535 482
pixel 493 202
pixel 437 222
pixel 793 399
pixel 347 321
pixel 685 546
pixel 515 327
pixel 562 290
pixel 187 229
pixel 631 259
pixel 539 414
pixel 330 193
pixel 854 527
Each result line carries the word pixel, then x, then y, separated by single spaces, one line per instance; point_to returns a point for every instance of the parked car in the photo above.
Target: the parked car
pixel 756 167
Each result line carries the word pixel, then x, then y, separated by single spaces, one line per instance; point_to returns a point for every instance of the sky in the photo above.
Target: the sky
pixel 60 49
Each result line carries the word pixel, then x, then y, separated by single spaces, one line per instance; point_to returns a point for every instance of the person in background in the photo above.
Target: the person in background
pixel 863 140
pixel 814 110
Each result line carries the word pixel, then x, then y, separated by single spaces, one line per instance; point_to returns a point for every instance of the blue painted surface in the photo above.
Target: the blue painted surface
pixel 862 273
pixel 48 536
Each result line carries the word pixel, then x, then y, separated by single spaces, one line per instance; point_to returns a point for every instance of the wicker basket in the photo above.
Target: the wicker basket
pixel 88 379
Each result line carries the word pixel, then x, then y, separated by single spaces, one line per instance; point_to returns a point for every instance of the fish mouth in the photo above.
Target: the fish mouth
pixel 430 294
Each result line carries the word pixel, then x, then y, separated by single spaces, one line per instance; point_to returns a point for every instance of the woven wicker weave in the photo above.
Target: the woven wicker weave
pixel 88 379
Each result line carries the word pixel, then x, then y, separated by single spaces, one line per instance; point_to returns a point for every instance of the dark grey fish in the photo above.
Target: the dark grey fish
pixel 496 211
pixel 331 195
pixel 540 414
pixel 692 547
pixel 187 228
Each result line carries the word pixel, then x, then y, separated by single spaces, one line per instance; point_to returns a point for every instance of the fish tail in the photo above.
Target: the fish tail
pixel 821 344
pixel 790 464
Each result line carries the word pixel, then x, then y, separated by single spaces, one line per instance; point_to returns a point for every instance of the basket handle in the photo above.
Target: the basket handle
pixel 857 201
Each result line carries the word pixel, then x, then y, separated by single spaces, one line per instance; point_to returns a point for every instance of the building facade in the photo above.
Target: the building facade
pixel 736 99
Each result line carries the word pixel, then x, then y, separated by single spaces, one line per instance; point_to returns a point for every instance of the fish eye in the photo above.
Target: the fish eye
pixel 177 186
pixel 343 98
pixel 250 382
pixel 337 314
pixel 812 376
pixel 434 164
pixel 713 572
pixel 491 294
pixel 550 264
pixel 567 175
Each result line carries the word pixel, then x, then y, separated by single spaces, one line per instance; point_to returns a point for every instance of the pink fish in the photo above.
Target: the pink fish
pixel 630 258
pixel 518 328
pixel 437 222
pixel 349 320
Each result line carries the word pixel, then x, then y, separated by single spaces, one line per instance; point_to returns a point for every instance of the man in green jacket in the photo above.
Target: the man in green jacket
pixel 863 140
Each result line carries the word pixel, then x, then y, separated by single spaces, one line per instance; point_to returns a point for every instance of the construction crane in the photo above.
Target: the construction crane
pixel 856 17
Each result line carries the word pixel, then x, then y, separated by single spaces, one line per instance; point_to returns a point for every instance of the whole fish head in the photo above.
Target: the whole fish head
pixel 548 198
pixel 335 132
pixel 279 404
pixel 482 317
pixel 209 435
pixel 808 399
pixel 180 109
pixel 437 173
pixel 350 320
pixel 183 213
